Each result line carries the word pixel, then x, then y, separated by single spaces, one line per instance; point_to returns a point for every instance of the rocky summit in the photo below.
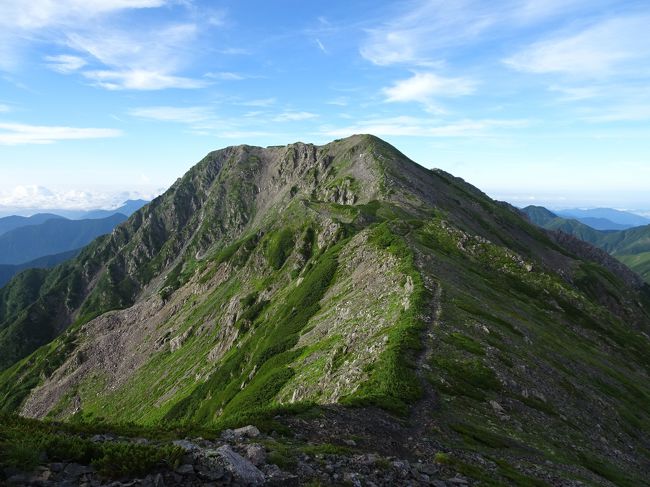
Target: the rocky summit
pixel 326 315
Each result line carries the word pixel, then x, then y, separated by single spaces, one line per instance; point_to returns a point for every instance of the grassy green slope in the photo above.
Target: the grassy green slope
pixel 522 378
pixel 639 262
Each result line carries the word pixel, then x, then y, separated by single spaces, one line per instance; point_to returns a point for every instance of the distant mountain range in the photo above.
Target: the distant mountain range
pixel 630 246
pixel 12 222
pixel 52 237
pixel 44 240
pixel 128 208
pixel 605 218
pixel 7 271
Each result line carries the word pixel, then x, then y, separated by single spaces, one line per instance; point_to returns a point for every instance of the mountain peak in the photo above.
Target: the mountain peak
pixel 267 279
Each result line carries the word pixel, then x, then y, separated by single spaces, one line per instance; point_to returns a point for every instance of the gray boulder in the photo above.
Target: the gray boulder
pixel 256 454
pixel 241 468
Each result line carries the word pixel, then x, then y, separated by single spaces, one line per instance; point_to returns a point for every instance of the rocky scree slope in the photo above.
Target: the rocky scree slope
pixel 345 274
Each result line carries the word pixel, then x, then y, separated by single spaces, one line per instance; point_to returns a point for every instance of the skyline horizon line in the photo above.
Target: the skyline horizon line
pixel 75 199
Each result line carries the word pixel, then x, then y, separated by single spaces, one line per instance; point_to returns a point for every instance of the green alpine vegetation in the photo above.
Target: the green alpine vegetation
pixel 301 288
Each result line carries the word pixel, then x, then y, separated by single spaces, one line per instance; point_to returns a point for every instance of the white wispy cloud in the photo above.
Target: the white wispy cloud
pixel 260 102
pixel 423 127
pixel 140 79
pixel 4 108
pixel 217 18
pixel 147 48
pixel 425 87
pixel 10 50
pixel 294 116
pixel 626 113
pixel 235 51
pixel 148 60
pixel 418 35
pixel 42 198
pixel 65 63
pixel 204 121
pixel 187 115
pixel 226 76
pixel 341 101
pixel 37 14
pixel 576 93
pixel 422 32
pixel 533 11
pixel 321 46
pixel 152 57
pixel 18 133
pixel 610 47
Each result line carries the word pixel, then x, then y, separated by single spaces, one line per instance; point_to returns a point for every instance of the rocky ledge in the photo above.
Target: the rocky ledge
pixel 240 457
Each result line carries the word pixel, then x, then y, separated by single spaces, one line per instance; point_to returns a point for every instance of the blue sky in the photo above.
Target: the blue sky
pixel 533 101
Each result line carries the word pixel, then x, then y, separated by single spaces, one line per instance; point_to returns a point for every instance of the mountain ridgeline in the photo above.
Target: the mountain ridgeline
pixel 10 223
pixel 345 274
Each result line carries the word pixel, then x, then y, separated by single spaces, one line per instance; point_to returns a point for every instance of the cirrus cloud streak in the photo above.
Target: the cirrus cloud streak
pixel 19 133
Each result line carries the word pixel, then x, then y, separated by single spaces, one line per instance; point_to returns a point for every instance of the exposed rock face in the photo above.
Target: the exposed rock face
pixel 361 308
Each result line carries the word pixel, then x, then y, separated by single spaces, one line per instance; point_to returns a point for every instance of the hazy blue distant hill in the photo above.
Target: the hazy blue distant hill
pixel 128 208
pixel 549 220
pixel 539 215
pixel 9 223
pixel 615 216
pixel 8 271
pixel 54 236
pixel 603 224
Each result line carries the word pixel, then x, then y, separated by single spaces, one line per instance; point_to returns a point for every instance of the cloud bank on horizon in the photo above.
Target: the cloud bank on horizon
pixel 24 199
pixel 540 100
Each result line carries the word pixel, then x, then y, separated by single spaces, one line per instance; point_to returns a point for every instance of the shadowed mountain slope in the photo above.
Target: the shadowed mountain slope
pixel 632 246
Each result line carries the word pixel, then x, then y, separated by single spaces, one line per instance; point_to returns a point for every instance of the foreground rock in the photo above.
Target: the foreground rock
pixel 245 461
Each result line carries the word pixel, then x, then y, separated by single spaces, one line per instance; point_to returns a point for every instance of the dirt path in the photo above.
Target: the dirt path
pixel 419 437
pixel 420 417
